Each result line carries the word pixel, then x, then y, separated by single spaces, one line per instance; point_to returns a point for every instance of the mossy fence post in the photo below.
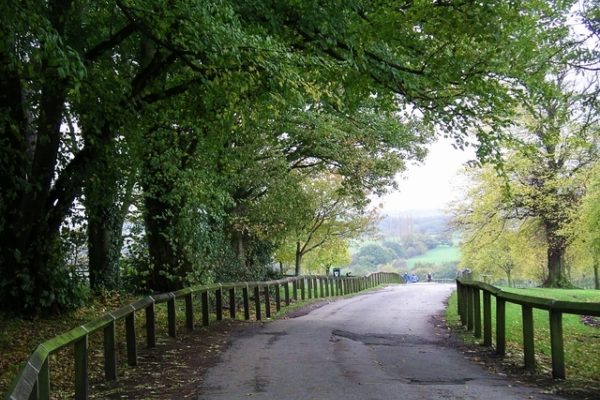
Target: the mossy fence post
pixel 469 312
pixel 528 338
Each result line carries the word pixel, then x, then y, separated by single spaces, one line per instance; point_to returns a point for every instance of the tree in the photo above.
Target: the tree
pixel 395 247
pixel 374 255
pixel 333 217
pixel 585 228
pixel 65 61
pixel 117 69
pixel 492 244
pixel 548 186
pixel 332 253
pixel 542 181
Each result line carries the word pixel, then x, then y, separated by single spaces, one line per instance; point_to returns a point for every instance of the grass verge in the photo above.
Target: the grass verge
pixel 19 338
pixel 581 342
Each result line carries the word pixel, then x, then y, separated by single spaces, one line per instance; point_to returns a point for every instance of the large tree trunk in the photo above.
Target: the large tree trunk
pixel 104 248
pixel 239 245
pixel 107 198
pixel 164 204
pixel 556 277
pixel 169 264
pixel 30 213
pixel 557 245
pixel 596 274
pixel 298 268
pixel 107 204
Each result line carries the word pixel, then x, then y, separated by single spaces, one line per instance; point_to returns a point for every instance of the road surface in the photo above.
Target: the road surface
pixel 377 345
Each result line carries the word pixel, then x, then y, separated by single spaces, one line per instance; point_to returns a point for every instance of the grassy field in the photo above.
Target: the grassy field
pixel 439 255
pixel 582 342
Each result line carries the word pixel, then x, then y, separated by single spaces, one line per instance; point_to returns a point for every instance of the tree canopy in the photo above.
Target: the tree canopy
pixel 552 149
pixel 198 113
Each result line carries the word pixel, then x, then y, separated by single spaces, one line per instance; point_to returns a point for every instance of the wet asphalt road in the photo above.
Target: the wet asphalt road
pixel 376 345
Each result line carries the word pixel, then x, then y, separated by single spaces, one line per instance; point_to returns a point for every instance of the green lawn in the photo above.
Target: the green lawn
pixel 582 342
pixel 559 294
pixel 439 255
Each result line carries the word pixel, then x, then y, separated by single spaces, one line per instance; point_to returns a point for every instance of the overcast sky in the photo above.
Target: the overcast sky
pixel 430 185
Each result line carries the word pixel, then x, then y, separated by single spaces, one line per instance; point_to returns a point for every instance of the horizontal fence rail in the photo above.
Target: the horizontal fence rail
pixel 33 382
pixel 470 311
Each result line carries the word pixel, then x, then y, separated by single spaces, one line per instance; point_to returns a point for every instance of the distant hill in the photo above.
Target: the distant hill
pixel 428 222
pixel 439 255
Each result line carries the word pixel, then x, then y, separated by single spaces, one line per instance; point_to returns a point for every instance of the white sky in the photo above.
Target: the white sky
pixel 430 185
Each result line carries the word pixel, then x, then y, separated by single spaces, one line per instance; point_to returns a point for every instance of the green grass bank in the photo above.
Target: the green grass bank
pixel 581 341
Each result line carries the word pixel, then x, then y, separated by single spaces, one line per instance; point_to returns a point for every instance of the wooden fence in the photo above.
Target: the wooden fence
pixel 470 312
pixel 33 382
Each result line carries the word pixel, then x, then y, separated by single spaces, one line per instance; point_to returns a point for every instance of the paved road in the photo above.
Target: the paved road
pixel 377 345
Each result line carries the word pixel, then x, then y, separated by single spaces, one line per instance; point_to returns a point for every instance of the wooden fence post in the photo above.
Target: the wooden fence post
pixel 295 289
pixel 528 339
pixel 219 303
pixel 315 288
pixel 246 302
pixel 310 291
pixel 500 326
pixel 257 302
pixel 172 322
pixel 477 312
pixel 302 291
pixel 321 287
pixel 189 311
pixel 459 300
pixel 487 319
pixel 81 368
pixel 267 302
pixel 557 345
pixel 286 292
pixel 130 339
pixel 463 305
pixel 150 326
pixel 232 303
pixel 205 308
pixel 43 382
pixel 331 287
pixel 110 352
pixel 470 308
pixel 277 297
